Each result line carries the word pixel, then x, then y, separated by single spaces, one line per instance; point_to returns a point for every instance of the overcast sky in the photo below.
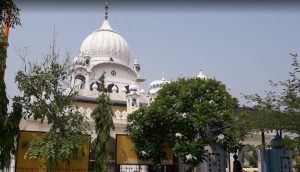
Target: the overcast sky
pixel 242 47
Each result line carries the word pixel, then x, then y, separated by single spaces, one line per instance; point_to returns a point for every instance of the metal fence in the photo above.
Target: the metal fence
pixel 133 168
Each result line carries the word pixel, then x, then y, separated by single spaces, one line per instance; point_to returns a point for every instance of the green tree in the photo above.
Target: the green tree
pixel 48 96
pixel 265 114
pixel 249 155
pixel 294 145
pixel 289 97
pixel 8 7
pixel 9 122
pixel 102 115
pixel 186 116
pixel 280 109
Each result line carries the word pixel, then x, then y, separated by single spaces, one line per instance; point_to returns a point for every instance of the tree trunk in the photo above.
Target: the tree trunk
pixel 263 142
pixel 156 168
pixel 191 169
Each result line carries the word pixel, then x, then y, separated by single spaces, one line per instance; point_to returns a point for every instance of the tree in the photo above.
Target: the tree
pixel 102 115
pixel 289 100
pixel 9 13
pixel 48 96
pixel 9 122
pixel 249 156
pixel 289 97
pixel 277 110
pixel 294 145
pixel 187 116
pixel 265 114
pixel 280 109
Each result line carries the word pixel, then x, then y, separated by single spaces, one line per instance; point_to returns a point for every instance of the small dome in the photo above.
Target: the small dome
pixel 79 61
pixel 142 91
pixel 133 87
pixel 156 85
pixel 106 45
pixel 152 91
pixel 94 86
pixel 123 90
pixel 136 62
pixel 114 89
pixel 201 75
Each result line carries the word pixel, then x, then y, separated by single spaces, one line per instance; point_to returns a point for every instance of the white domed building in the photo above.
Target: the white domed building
pixel 105 51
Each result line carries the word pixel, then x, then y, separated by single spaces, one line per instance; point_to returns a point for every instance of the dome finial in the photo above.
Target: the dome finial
pixel 163 76
pixel 201 75
pixel 106 9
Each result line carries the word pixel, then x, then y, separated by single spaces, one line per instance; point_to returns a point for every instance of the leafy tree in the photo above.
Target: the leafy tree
pixel 289 97
pixel 102 115
pixel 187 116
pixel 9 8
pixel 47 96
pixel 280 109
pixel 265 114
pixel 294 145
pixel 9 122
pixel 240 127
pixel 264 111
pixel 249 154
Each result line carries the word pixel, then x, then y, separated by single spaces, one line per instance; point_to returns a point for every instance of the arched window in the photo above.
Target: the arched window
pixel 127 88
pixel 110 86
pixel 134 103
pixel 80 81
pixel 97 86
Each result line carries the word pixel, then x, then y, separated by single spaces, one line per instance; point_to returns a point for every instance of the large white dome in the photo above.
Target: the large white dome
pixel 106 45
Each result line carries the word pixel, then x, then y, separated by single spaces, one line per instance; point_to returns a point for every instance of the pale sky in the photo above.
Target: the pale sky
pixel 242 47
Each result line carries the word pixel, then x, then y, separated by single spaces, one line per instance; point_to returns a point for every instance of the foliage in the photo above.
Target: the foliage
pixel 48 96
pixel 249 154
pixel 293 144
pixel 187 115
pixel 240 127
pixel 9 7
pixel 280 109
pixel 9 122
pixel 64 147
pixel 289 97
pixel 102 115
pixel 3 56
pixel 265 114
pixel 9 131
pixel 290 106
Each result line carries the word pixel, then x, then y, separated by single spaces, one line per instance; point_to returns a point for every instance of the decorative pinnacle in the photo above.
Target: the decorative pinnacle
pixel 162 76
pixel 106 9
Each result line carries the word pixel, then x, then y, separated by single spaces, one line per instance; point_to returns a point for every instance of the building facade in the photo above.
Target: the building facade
pixel 106 51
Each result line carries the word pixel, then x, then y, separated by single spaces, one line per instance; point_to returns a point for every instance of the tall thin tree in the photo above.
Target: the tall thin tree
pixel 103 124
pixel 9 122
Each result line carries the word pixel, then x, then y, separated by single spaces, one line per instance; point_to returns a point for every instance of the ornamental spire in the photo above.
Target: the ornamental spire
pixel 106 9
